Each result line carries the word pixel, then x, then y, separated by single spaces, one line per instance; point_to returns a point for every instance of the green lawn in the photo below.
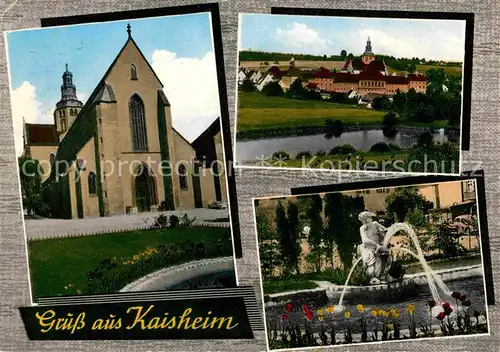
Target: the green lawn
pixel 287 285
pixel 445 264
pixel 449 70
pixel 259 112
pixel 56 263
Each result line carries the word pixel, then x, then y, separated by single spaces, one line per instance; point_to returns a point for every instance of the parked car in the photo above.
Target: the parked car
pixel 218 205
pixel 462 223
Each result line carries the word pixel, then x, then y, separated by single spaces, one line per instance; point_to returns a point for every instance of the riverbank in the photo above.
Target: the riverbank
pixel 286 131
pixel 261 117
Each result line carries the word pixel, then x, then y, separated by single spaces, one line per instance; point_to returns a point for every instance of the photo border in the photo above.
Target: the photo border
pixel 469 45
pixel 478 176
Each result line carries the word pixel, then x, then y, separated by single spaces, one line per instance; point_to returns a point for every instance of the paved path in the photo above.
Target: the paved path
pixel 51 228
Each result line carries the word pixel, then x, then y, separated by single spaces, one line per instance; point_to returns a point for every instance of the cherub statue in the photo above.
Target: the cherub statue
pixel 375 256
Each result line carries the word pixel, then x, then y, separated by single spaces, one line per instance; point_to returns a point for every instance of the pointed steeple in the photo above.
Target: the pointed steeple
pixel 129 31
pixel 368 49
pixel 68 91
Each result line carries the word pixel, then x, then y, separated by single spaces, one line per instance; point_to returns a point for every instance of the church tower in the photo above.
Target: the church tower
pixel 68 106
pixel 368 56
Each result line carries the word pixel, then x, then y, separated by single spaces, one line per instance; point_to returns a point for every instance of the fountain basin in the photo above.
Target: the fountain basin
pixel 171 277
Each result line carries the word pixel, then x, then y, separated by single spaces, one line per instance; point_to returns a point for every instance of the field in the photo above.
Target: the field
pixel 56 263
pixel 257 111
pixel 449 70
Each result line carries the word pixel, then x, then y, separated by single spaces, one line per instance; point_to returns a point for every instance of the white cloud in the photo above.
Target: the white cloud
pixel 421 45
pixel 25 104
pixel 191 88
pixel 300 36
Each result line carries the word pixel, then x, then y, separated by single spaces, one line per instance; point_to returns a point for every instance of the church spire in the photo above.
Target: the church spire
pixel 129 31
pixel 68 91
pixel 368 49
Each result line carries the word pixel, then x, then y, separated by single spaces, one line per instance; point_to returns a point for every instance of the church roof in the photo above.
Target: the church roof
pixel 345 77
pixel 41 134
pixel 414 77
pixel 106 94
pixel 323 73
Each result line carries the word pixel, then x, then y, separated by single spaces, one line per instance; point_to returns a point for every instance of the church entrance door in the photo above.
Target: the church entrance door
pixel 142 191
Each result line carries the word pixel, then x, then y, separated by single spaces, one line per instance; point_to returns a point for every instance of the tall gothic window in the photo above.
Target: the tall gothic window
pixel 133 72
pixel 183 181
pixel 92 183
pixel 138 124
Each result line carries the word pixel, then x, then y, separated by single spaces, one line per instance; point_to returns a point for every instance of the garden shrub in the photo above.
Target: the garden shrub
pixel 281 155
pixel 112 275
pixel 380 147
pixel 304 154
pixel 174 220
pixel 343 149
pixel 320 153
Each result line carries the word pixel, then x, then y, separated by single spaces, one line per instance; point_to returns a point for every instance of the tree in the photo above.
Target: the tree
pixel 425 139
pixel 247 86
pixel 297 90
pixel 287 229
pixel 343 54
pixel 403 200
pixel 30 174
pixel 350 56
pixel 381 103
pixel 389 123
pixel 269 251
pixel 342 227
pixel 334 128
pixel 325 57
pixel 272 89
pixel 315 237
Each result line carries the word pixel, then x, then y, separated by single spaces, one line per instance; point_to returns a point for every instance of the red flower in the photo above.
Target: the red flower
pixel 446 305
pixel 431 303
pixel 305 308
pixel 456 295
pixel 463 297
pixel 289 307
pixel 476 314
pixel 466 303
pixel 309 315
pixel 441 316
pixel 284 317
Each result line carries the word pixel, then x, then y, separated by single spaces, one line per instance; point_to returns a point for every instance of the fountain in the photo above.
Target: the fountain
pixel 433 280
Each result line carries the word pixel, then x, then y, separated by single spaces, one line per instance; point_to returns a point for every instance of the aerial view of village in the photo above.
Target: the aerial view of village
pixel 365 94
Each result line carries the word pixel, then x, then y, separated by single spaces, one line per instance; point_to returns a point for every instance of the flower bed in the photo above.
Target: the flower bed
pixel 298 324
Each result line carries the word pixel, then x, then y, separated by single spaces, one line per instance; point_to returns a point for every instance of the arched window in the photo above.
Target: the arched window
pixel 133 72
pixel 138 124
pixel 183 181
pixel 92 183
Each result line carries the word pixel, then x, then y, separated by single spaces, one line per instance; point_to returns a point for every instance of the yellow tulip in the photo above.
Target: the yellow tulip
pixel 330 309
pixel 360 308
pixel 395 313
pixel 347 314
pixel 411 309
pixel 320 312
pixel 374 312
pixel 389 326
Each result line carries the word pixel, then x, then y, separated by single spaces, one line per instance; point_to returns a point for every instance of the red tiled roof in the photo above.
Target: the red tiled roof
pixel 346 64
pixel 345 77
pixel 371 75
pixel 273 70
pixel 414 77
pixel 311 85
pixel 376 65
pixel 396 79
pixel 41 134
pixel 323 73
pixel 357 64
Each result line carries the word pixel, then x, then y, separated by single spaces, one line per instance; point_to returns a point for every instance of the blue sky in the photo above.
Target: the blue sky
pixel 173 45
pixel 432 39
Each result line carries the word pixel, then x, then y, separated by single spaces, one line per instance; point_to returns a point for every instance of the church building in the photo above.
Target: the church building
pixel 122 151
pixel 366 75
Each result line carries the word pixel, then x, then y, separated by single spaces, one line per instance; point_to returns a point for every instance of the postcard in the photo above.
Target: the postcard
pixel 354 90
pixel 374 264
pixel 125 182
